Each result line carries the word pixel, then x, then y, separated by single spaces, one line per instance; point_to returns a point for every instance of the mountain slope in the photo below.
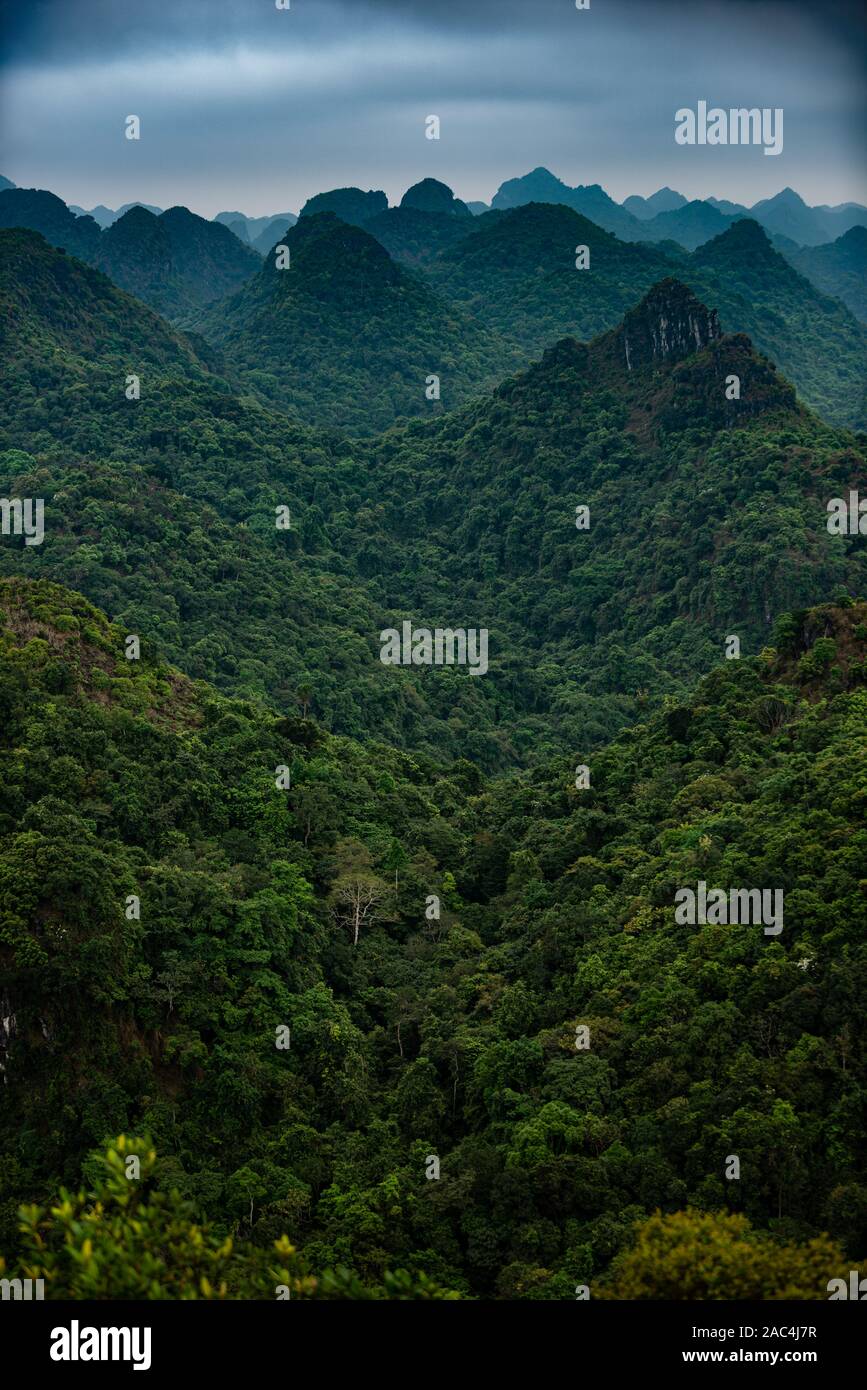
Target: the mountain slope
pixel 516 270
pixel 176 262
pixel 690 225
pixel 637 427
pixel 663 200
pixel 351 205
pixel 816 340
pixel 788 215
pixel 47 214
pixel 162 510
pixel 60 314
pixel 591 201
pixel 839 267
pixel 458 1036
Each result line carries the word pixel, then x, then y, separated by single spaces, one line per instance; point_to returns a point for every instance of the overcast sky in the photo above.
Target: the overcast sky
pixel 245 107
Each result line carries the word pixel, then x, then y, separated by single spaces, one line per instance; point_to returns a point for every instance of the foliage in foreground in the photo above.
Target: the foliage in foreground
pixel 127 1238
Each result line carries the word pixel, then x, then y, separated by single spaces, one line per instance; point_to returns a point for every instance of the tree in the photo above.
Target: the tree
pixel 704 1255
pixel 358 896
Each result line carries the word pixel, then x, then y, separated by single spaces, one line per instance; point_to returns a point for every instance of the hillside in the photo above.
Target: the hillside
pixel 517 271
pixel 839 267
pixel 690 225
pixel 47 214
pixel 176 262
pixel 815 340
pixel 59 316
pixel 457 1035
pixel 591 201
pixel 162 511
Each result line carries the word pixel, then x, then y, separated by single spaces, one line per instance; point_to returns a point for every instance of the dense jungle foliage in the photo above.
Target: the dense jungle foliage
pixel 326 979
pixel 452 1036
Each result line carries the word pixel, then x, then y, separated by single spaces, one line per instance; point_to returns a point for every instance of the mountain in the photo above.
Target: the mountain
pixel 429 220
pixel 664 200
pixel 690 225
pixel 64 315
pixel 105 217
pixel 728 208
pixel 236 222
pixel 516 271
pixel 47 214
pixel 176 262
pixel 351 205
pixel 667 215
pixel 839 267
pixel 466 520
pixel 817 342
pixel 432 196
pixel 5 183
pixel 541 186
pixel 346 337
pixel 477 208
pixel 841 218
pixel 415 238
pixel 259 232
pixel 101 215
pixel 272 233
pixel 788 215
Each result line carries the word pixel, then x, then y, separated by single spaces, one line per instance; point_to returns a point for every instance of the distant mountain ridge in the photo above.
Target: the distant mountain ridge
pixel 657 217
pixel 176 261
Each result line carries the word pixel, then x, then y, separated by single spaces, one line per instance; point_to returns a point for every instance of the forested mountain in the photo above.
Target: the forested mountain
pixel 377 968
pixel 63 324
pixel 162 510
pixel 512 272
pixel 259 232
pixel 787 214
pixel 668 214
pixel 351 205
pixel 106 216
pixel 180 961
pixel 176 262
pixel 663 200
pixel 591 201
pixel 689 225
pixel 517 271
pixel 430 195
pixel 815 340
pixel 415 237
pixel 343 336
pixel 45 213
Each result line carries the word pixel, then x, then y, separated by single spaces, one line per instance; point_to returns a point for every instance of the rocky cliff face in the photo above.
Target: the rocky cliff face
pixel 668 324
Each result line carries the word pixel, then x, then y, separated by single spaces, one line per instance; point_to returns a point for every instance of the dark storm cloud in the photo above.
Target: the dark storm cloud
pixel 245 106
